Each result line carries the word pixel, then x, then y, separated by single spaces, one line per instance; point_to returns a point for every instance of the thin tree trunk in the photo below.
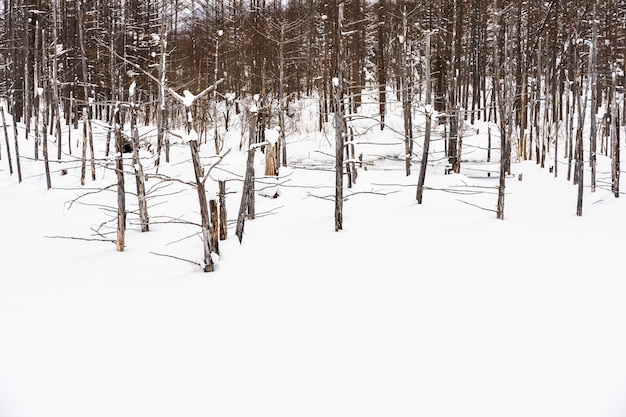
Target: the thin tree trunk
pixel 18 165
pixel 594 79
pixel 615 148
pixel 83 165
pixel 119 170
pixel 428 111
pixel 55 83
pixel 139 176
pixel 339 122
pixel 36 90
pixel 223 217
pixel 405 90
pixel 6 140
pixel 245 194
pixel 214 226
pixel 204 210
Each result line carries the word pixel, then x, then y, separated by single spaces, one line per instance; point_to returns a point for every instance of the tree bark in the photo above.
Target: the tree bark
pixel 119 170
pixel 248 188
pixel 223 217
pixel 6 139
pixel 428 113
pixel 339 124
pixel 204 210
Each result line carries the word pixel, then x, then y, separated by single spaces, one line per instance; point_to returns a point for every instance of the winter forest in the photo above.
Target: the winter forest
pixel 407 208
pixel 542 74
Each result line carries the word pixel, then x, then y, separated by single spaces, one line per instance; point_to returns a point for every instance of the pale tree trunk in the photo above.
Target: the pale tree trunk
pixel 615 148
pixel 161 119
pixel 87 109
pixel 428 112
pixel 281 96
pixel 36 92
pixel 216 137
pixel 83 165
pixel 27 102
pixel 119 171
pixel 139 176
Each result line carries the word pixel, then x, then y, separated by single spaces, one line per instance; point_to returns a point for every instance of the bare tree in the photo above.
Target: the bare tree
pixel 428 114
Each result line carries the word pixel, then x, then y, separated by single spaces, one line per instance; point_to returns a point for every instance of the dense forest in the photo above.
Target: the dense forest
pixel 545 72
pixel 63 54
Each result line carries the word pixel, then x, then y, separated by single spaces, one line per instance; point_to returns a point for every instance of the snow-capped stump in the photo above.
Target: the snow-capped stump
pixel 272 152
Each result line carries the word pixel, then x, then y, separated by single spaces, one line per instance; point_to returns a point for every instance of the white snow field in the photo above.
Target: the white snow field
pixel 432 310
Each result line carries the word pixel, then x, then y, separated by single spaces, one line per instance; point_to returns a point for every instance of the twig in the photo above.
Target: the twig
pixel 477 206
pixel 82 238
pixel 177 258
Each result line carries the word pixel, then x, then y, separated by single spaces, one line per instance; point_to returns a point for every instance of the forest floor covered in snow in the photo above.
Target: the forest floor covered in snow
pixel 436 310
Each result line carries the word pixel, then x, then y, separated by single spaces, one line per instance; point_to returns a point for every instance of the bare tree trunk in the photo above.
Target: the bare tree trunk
pixel 36 92
pixel 594 79
pixel 428 111
pixel 216 138
pixel 204 210
pixel 86 108
pixel 282 145
pixel 18 165
pixel 55 82
pixel 119 170
pixel 6 139
pixel 139 176
pixel 382 65
pixel 500 95
pixel 83 165
pixel 223 217
pixel 615 148
pixel 339 122
pixel 214 226
pixel 27 102
pixel 405 87
pixel 162 80
pixel 248 188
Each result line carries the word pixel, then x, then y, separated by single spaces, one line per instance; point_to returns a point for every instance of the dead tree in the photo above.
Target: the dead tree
pixel 615 148
pixel 223 216
pixel 406 91
pixel 119 171
pixel 428 114
pixel 204 209
pixel 6 139
pixel 139 176
pixel 87 113
pixel 18 165
pixel 594 80
pixel 339 124
pixel 504 121
pixel 246 194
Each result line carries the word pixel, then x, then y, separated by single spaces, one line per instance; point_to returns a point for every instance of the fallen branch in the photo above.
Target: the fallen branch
pixel 82 238
pixel 177 258
pixel 477 206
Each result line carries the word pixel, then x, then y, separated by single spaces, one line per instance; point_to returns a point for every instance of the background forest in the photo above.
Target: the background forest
pixel 59 55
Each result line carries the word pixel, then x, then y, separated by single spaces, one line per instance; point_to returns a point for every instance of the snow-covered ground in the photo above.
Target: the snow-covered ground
pixel 427 310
